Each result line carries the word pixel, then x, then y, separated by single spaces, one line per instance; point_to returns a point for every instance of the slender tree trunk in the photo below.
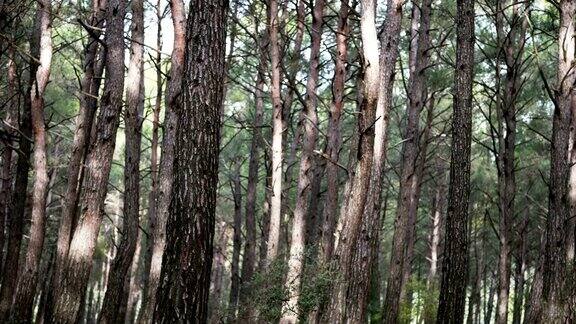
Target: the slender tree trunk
pixel 190 229
pixel 249 259
pixel 455 264
pixel 334 136
pixel 236 185
pixel 277 130
pixel 290 309
pixel 133 282
pixel 521 265
pixel 265 224
pixel 409 178
pixel 89 87
pixel 78 263
pixel 11 119
pixel 554 294
pixel 218 273
pixel 173 107
pixel 115 294
pixel 353 215
pixel 152 203
pixel 41 47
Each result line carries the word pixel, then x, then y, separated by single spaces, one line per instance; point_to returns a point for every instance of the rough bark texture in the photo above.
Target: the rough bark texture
pixel 77 266
pixel 455 263
pixel 277 130
pixel 409 178
pixel 365 253
pixel 89 88
pixel 185 277
pixel 173 106
pixel 290 309
pixel 555 268
pixel 41 47
pixel 352 217
pixel 115 294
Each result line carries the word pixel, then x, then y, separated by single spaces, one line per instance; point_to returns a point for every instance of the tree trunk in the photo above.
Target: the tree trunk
pixel 218 273
pixel 15 217
pixel 455 264
pixel 185 277
pixel 290 309
pixel 89 88
pixel 521 265
pixel 554 294
pixel 41 47
pixel 77 266
pixel 249 259
pixel 277 130
pixel 11 120
pixel 236 186
pixel 152 204
pixel 115 294
pixel 173 106
pixel 409 178
pixel 352 216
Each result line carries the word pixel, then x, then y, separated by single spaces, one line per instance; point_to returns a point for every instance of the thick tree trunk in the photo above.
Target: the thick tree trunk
pixel 89 88
pixel 277 130
pixel 186 267
pixel 41 47
pixel 173 107
pixel 554 293
pixel 290 309
pixel 353 215
pixel 409 178
pixel 236 186
pixel 218 269
pixel 455 263
pixel 115 294
pixel 77 266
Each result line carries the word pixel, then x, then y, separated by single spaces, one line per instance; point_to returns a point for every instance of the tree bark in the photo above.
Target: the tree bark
pixel 290 310
pixel 277 130
pixel 89 88
pixel 41 47
pixel 352 216
pixel 115 294
pixel 455 263
pixel 554 293
pixel 173 106
pixel 77 266
pixel 410 177
pixel 186 267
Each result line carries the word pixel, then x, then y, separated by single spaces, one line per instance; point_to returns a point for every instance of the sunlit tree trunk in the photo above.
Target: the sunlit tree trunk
pixel 41 47
pixel 352 216
pixel 173 104
pixel 190 229
pixel 78 264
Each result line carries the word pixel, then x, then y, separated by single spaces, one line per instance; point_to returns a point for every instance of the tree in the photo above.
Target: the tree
pixel 41 47
pixel 188 257
pixel 115 296
pixel 455 263
pixel 78 263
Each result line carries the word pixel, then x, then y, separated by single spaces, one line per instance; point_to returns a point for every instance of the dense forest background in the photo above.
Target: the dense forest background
pixel 287 161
